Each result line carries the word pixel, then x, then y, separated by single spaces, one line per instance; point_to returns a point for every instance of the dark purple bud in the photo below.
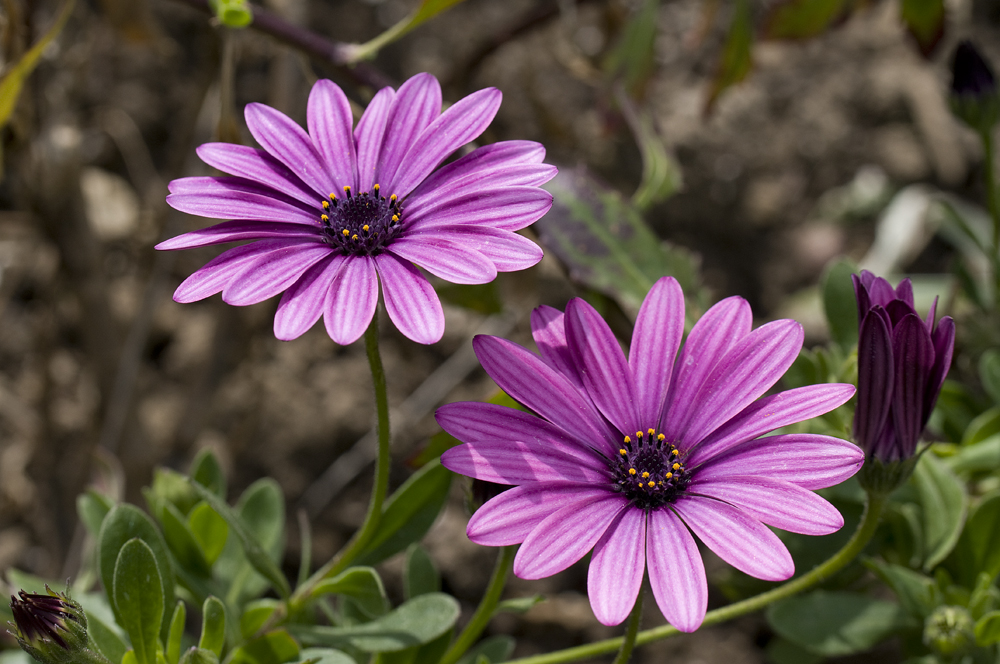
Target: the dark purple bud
pixel 974 97
pixel 52 628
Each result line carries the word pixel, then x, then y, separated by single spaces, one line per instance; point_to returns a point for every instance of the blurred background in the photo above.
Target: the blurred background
pixel 759 153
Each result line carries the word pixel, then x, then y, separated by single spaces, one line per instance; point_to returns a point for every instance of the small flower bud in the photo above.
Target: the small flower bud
pixel 52 628
pixel 974 97
pixel 949 631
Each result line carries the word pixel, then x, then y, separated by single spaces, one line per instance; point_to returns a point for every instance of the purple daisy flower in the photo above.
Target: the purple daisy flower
pixel 635 457
pixel 334 212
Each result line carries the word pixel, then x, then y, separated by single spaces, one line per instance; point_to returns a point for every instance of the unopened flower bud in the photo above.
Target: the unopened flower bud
pixel 949 631
pixel 52 628
pixel 974 96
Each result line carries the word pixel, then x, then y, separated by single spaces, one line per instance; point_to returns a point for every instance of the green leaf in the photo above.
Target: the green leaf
pixel 182 541
pixel 92 507
pixel 419 574
pixel 494 649
pixel 989 373
pixel 833 624
pixel 362 584
pixel 198 656
pixel 129 658
pixel 420 620
pixel 783 651
pixel 944 503
pixel 125 522
pixel 324 656
pixel 736 60
pixel 15 76
pixel 918 594
pixel 632 59
pixel 925 21
pixel 982 533
pixel 436 446
pixel 988 629
pixel 232 13
pixel 139 598
pixel 426 10
pixel 482 298
pixel 274 647
pixel 432 651
pixel 409 512
pixel 255 615
pixel 518 604
pixel 169 486
pixel 207 471
pixel 985 425
pixel 176 633
pixel 105 636
pixel 213 626
pixel 255 511
pixel 839 303
pixel 661 176
pixel 607 246
pixel 209 529
pixel 983 457
pixel 800 19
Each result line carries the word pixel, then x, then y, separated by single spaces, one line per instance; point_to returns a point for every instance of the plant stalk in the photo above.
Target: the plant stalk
pixel 625 653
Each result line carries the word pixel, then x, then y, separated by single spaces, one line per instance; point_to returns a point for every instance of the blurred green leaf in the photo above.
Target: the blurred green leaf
pixel 982 533
pixel 232 13
pixel 783 651
pixel 256 614
pixel 362 584
pixel 925 21
pixel 944 503
pixel 171 487
pixel 983 457
pixel 207 471
pixel 325 656
pixel 518 604
pixel 632 59
pixel 420 620
pixel 419 574
pixel 736 60
pixel 988 629
pixel 607 246
pixel 432 651
pixel 213 626
pixel 92 507
pixel 840 304
pixel 274 647
pixel 138 593
pixel 917 593
pixel 209 530
pixel 409 512
pixel 172 651
pixel 426 10
pixel 436 446
pixel 989 373
pixel 15 76
pixel 986 425
pixel 801 19
pixel 198 656
pixel 494 649
pixel 661 176
pixel 481 298
pixel 182 541
pixel 123 523
pixel 258 516
pixel 833 624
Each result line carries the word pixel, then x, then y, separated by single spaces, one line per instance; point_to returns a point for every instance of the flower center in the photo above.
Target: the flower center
pixel 361 225
pixel 649 471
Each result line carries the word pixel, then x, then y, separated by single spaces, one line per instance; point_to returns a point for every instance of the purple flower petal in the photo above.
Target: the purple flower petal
pixel 770 413
pixel 565 536
pixel 527 379
pixel 676 571
pixel 604 369
pixel 904 292
pixel 509 518
pixel 516 462
pixel 657 336
pixel 548 328
pixel 716 332
pixel 944 346
pixel 272 273
pixel 290 144
pixel 861 295
pixel 417 105
pixel 443 258
pixel 808 460
pixel 736 537
pixel 473 422
pixel 614 579
pixel 506 250
pixel 483 162
pixel 302 304
pixel 410 300
pixel 746 372
pixel 875 380
pixel 880 292
pixel 913 353
pixel 233 231
pixel 774 502
pixel 217 273
pixel 257 165
pixel 235 198
pixel 330 123
pixel 351 300
pixel 510 209
pixel 465 120
pixel 369 134
pixel 476 182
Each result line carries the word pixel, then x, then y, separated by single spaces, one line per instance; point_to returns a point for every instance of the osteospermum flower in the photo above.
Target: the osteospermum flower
pixel 635 457
pixel 334 212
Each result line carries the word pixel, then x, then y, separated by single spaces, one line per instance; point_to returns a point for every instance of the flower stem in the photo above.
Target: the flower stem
pixel 857 543
pixel 485 609
pixel 625 653
pixel 380 486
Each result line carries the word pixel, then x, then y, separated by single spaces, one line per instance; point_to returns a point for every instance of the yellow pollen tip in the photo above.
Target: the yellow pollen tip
pixel 354 237
pixel 346 232
pixel 332 195
pixel 631 471
pixel 393 198
pixel 365 228
pixel 324 218
pixel 660 437
pixel 395 217
pixel 638 434
pixel 676 466
pixel 651 484
pixel 645 475
pixel 674 452
pixel 376 187
pixel 623 451
pixel 326 205
pixel 669 475
pixel 347 188
pixel 651 431
pixel 627 439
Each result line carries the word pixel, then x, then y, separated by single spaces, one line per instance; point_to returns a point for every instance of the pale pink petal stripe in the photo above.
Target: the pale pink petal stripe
pixel 417 105
pixel 548 327
pixel 288 143
pixel 676 571
pixel 515 462
pixel 614 579
pixel 773 502
pixel 659 328
pixel 272 273
pixel 233 231
pixel 328 116
pixel 351 300
pixel 302 304
pixel 511 516
pixel 451 261
pixel 410 300
pixel 216 274
pixel 369 134
pixel 257 165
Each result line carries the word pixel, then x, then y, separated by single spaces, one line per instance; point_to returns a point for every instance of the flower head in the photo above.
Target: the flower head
pixel 902 362
pixel 974 96
pixel 50 627
pixel 334 212
pixel 635 457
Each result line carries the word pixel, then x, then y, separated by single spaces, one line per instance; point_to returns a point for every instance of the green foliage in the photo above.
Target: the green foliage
pixel 925 21
pixel 801 19
pixel 632 59
pixel 481 298
pixel 494 649
pixel 275 647
pixel 363 585
pixel 420 576
pixel 213 626
pixel 232 13
pixel 175 634
pixel 840 304
pixel 944 503
pixel 989 373
pixel 736 59
pixel 138 597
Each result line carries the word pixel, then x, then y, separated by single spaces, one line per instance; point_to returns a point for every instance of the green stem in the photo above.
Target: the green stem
pixel 485 610
pixel 857 543
pixel 630 632
pixel 364 535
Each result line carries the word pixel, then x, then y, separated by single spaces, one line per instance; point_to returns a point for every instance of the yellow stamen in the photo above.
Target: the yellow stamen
pixel 376 187
pixel 676 466
pixel 631 471
pixel 395 217
pixel 660 437
pixel 645 475
pixel 623 451
pixel 627 439
pixel 346 232
pixel 326 205
pixel 651 432
pixel 365 228
pixel 354 237
pixel 324 218
pixel 333 196
pixel 651 484
pixel 669 475
pixel 347 189
pixel 392 199
pixel 638 434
